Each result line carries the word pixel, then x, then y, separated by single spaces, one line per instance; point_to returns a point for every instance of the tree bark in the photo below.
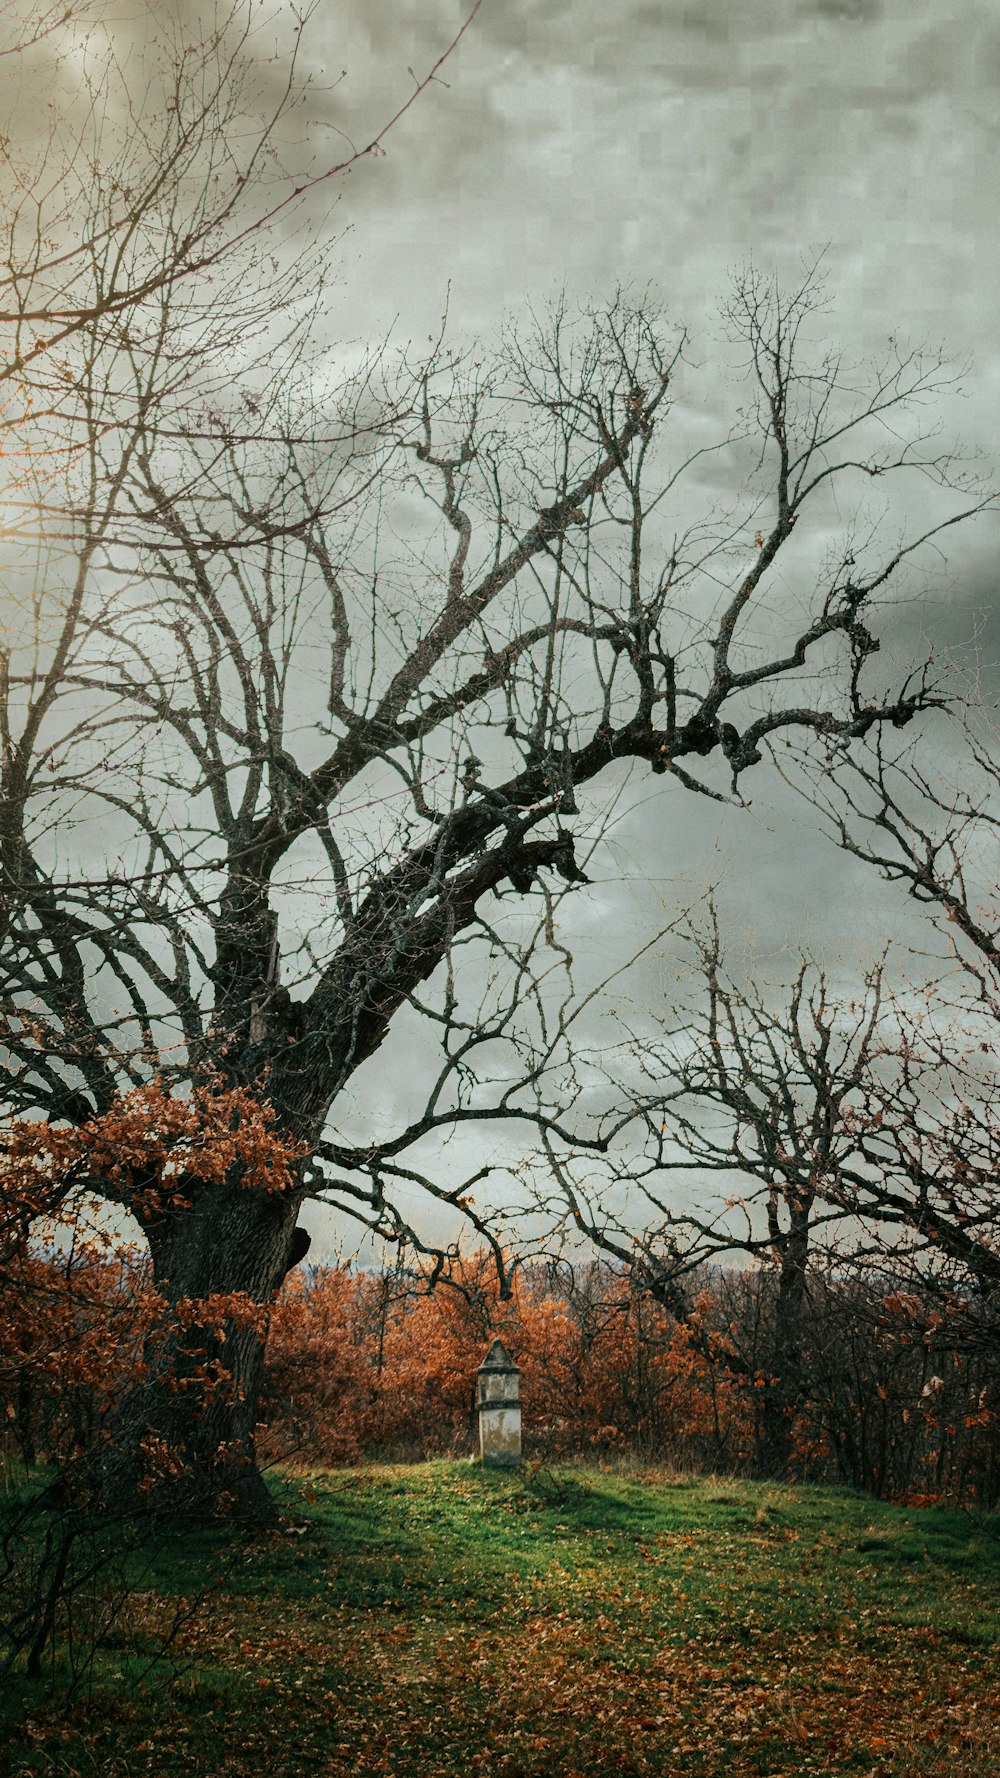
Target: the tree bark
pixel 784 1393
pixel 182 1440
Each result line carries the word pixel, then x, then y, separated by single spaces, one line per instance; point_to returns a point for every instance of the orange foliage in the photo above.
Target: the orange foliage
pixel 372 1362
pixel 79 1319
pixel 71 1331
pixel 146 1145
pixel 377 1362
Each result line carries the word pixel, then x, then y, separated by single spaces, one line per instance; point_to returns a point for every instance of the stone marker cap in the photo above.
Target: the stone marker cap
pixel 499 1359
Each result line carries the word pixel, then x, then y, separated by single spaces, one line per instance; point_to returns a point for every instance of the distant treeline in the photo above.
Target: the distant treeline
pixel 880 1385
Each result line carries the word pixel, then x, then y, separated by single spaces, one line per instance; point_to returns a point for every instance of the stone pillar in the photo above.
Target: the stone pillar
pixel 499 1402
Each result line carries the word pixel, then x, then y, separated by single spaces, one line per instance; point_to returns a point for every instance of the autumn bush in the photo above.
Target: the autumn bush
pixel 899 1395
pixel 80 1321
pixel 899 1386
pixel 75 1309
pixel 73 1326
pixel 895 1400
pixel 904 1394
pixel 82 1328
pixel 384 1364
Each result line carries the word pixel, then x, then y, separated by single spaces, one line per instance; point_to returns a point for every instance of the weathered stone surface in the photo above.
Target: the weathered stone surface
pixel 498 1398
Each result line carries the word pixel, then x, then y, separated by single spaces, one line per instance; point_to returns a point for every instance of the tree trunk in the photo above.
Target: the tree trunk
pixel 24 1418
pixel 182 1440
pixel 784 1393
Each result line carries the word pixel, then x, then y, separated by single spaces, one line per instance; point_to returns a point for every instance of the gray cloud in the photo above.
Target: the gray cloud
pixel 580 144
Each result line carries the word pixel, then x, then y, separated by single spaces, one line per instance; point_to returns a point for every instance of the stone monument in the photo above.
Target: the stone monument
pixel 498 1399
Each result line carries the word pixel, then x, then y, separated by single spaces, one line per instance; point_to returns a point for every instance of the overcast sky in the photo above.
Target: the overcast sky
pixel 577 145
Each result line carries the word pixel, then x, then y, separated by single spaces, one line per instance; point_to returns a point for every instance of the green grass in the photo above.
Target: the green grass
pixel 439 1619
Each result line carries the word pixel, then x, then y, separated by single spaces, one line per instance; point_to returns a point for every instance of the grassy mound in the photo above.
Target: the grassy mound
pixel 437 1619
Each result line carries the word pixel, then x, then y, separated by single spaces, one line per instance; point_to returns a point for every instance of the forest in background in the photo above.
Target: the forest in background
pixel 896 1397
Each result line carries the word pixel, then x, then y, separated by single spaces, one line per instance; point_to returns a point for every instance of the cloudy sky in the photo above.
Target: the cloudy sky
pixel 572 145
pixel 577 145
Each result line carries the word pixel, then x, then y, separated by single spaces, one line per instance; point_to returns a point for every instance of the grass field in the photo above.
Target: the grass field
pixel 437 1620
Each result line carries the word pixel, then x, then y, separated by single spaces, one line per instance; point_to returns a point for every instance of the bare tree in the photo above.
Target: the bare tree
pixel 321 685
pixel 926 816
pixel 737 1149
pixel 817 1137
pixel 143 167
pixel 933 830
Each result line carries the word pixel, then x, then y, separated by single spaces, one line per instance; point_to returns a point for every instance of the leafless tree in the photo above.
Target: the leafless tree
pixel 814 1137
pixel 738 1146
pixel 318 688
pixel 144 167
pixel 925 815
